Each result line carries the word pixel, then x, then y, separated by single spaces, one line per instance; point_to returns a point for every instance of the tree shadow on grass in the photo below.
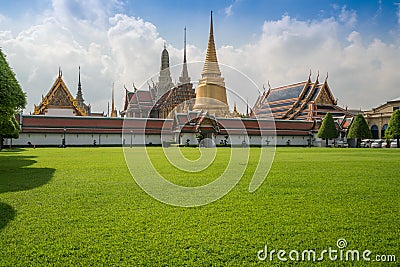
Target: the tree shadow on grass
pixel 17 174
pixel 7 214
pixel 14 149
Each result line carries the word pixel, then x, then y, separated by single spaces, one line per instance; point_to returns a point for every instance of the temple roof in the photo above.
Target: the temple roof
pixel 304 100
pixel 59 97
pixel 138 101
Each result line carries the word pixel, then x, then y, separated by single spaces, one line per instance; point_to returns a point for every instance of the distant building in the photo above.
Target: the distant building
pixel 180 98
pixel 289 115
pixel 300 101
pixel 378 118
pixel 60 102
pixel 138 103
pixel 164 79
pixel 162 99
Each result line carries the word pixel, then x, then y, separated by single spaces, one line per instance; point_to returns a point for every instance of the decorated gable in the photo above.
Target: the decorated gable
pixel 59 101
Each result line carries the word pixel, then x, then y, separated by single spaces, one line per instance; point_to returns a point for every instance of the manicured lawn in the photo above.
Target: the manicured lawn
pixel 80 206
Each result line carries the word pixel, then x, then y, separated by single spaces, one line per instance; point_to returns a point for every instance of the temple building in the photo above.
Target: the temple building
pixel 60 102
pixel 299 101
pixel 178 99
pixel 164 79
pixel 138 103
pixel 378 118
pixel 288 115
pixel 162 99
pixel 211 91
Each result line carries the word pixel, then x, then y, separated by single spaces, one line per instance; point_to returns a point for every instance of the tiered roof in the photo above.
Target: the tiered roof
pixel 301 101
pixel 138 103
pixel 59 97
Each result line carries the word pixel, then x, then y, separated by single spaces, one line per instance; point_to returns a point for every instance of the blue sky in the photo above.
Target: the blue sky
pixel 375 19
pixel 357 42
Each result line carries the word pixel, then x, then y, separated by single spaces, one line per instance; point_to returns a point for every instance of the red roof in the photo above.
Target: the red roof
pixel 143 95
pixel 50 124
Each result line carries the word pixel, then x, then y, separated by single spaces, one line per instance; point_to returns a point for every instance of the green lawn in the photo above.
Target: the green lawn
pixel 80 206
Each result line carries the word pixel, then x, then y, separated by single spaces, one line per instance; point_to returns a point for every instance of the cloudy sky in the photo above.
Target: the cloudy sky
pixel 357 42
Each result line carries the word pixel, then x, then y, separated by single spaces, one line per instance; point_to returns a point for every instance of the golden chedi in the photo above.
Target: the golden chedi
pixel 211 92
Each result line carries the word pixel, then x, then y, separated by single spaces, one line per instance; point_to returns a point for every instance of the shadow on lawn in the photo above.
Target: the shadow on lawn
pixel 15 175
pixel 7 214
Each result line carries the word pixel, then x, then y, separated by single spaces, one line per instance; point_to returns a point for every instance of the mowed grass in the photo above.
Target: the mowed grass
pixel 80 206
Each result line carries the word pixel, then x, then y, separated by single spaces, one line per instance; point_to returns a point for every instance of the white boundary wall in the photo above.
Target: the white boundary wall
pixel 86 139
pixel 117 139
pixel 252 140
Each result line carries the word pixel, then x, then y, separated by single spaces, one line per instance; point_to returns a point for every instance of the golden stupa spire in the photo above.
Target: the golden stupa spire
pixel 211 91
pixel 211 68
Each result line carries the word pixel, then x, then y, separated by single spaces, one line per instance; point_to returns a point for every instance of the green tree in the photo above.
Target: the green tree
pixel 328 128
pixel 393 130
pixel 359 129
pixel 12 100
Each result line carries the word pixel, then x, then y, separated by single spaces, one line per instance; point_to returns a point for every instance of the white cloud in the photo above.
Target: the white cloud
pixel 135 47
pixel 349 17
pixel 36 53
pixel 94 11
pixel 229 11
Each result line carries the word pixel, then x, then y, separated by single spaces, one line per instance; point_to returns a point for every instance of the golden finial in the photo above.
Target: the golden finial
pixel 211 62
